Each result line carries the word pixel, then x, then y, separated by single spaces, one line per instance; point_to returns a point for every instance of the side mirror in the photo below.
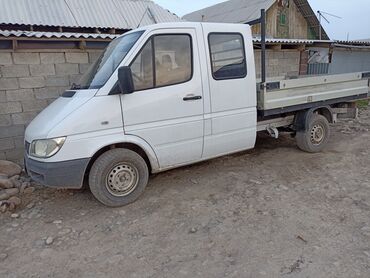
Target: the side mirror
pixel 125 80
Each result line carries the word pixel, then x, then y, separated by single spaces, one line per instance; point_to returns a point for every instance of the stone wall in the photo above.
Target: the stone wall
pixel 30 81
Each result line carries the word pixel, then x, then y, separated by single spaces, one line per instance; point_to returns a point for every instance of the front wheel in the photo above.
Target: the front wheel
pixel 118 177
pixel 316 136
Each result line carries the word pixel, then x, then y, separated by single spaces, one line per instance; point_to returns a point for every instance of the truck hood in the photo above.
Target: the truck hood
pixel 56 112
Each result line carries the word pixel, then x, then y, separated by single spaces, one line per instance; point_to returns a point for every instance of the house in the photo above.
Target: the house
pixel 288 19
pixel 45 46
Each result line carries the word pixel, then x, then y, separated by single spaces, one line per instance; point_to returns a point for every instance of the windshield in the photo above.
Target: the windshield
pixel 100 71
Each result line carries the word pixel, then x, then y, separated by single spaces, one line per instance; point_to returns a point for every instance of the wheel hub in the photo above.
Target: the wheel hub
pixel 122 180
pixel 317 134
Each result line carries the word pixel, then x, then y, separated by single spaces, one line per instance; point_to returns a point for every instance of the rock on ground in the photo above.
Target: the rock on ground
pixel 9 168
pixel 5 183
pixel 15 200
pixel 49 240
pixel 3 195
pixel 12 186
pixel 12 191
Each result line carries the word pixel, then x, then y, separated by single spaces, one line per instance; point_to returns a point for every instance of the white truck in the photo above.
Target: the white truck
pixel 169 95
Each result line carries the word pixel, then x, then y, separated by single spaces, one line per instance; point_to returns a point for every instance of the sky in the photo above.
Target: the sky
pixel 355 14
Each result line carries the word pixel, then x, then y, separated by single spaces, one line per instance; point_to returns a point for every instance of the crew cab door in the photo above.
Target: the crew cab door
pixel 231 122
pixel 166 109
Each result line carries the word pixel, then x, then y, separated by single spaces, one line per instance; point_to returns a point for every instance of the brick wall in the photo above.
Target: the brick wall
pixel 279 63
pixel 30 81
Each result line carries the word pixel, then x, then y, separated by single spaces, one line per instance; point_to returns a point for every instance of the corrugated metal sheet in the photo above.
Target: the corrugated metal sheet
pixel 119 14
pixel 233 11
pixel 318 68
pixel 36 12
pixel 286 41
pixel 97 13
pixel 256 40
pixel 138 13
pixel 56 35
pixel 359 42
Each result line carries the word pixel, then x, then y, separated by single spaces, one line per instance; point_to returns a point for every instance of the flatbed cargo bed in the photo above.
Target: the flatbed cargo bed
pixel 291 95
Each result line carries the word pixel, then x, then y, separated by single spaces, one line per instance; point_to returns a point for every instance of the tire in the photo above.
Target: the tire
pixel 118 177
pixel 316 137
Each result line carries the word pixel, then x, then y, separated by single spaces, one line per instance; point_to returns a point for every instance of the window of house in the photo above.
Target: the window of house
pixel 282 19
pixel 227 56
pixel 165 60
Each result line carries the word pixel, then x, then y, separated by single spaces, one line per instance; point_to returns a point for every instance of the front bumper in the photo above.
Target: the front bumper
pixel 66 174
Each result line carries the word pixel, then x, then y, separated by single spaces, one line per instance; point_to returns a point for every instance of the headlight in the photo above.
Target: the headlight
pixel 46 148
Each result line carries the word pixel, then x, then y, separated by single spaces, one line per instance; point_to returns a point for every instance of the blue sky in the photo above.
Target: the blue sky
pixel 355 14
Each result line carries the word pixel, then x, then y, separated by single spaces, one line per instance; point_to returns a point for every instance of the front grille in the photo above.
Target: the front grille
pixel 27 147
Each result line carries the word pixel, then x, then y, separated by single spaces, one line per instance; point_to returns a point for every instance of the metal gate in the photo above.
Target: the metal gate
pixel 318 68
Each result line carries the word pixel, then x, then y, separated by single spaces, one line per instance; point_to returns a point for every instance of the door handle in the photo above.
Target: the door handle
pixel 191 97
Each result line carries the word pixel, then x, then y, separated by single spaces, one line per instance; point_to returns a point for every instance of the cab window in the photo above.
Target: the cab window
pixel 164 60
pixel 227 56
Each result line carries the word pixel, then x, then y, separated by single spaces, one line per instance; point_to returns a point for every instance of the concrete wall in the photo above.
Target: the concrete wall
pixel 29 81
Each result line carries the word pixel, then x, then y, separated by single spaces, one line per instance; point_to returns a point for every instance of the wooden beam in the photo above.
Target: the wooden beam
pixel 14 44
pixel 301 48
pixel 82 45
pixel 276 47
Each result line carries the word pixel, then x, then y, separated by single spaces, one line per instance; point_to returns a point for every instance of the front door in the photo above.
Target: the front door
pixel 166 109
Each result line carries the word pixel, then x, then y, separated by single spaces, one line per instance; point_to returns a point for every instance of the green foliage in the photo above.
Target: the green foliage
pixel 363 103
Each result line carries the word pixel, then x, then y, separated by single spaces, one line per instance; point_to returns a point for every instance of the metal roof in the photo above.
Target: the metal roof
pixel 233 11
pixel 61 35
pixel 119 14
pixel 56 35
pixel 353 43
pixel 92 36
pixel 287 41
pixel 242 11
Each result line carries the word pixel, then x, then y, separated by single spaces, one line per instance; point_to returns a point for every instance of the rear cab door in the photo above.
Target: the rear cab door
pixel 230 123
pixel 166 109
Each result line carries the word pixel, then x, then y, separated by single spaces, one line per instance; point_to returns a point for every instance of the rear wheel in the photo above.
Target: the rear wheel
pixel 118 177
pixel 316 135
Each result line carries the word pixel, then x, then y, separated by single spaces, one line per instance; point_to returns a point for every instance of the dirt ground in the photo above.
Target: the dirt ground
pixel 270 212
